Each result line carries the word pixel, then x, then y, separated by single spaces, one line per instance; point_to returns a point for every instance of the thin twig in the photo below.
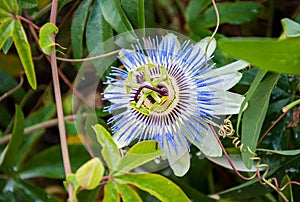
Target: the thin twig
pixel 28 22
pixel 36 127
pixel 271 126
pixel 5 95
pixel 58 100
pixel 70 85
pixel 88 59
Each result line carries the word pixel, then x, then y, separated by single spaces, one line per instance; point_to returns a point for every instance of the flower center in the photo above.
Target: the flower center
pixel 153 89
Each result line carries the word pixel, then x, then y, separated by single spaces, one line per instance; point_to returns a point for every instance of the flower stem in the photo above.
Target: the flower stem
pixel 59 107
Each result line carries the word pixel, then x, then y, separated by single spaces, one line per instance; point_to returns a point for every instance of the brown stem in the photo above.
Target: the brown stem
pixel 5 95
pixel 58 100
pixel 228 158
pixel 36 127
pixel 28 22
pixel 271 126
pixel 88 59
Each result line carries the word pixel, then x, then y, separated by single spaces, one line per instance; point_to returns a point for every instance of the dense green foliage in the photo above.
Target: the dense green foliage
pixel 265 33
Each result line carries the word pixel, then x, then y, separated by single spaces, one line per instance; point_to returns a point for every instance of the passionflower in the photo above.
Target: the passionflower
pixel 171 93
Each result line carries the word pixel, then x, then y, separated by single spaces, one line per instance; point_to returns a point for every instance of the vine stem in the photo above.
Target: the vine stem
pixel 28 22
pixel 216 28
pixel 59 107
pixel 12 91
pixel 90 58
pixel 36 127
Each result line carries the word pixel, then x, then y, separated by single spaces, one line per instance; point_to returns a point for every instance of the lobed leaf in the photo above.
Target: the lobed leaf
pixel 157 185
pixel 138 155
pixel 110 192
pixel 24 51
pixel 27 3
pixel 10 6
pixel 254 116
pixel 110 151
pixel 6 29
pixel 127 193
pixel 280 56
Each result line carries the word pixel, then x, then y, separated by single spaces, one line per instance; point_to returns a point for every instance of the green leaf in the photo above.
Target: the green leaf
pixel 254 115
pixel 97 29
pixel 157 185
pixel 134 10
pixel 6 29
pixel 8 83
pixel 253 188
pixel 24 51
pixel 110 151
pixel 259 76
pixel 110 192
pixel 61 3
pixel 195 7
pixel 34 193
pixel 90 174
pixel 8 43
pixel 19 190
pixel 27 3
pixel 77 29
pixel 233 13
pixel 290 28
pixel 115 16
pixel 281 56
pixel 127 193
pixel 45 41
pixel 138 155
pixel 281 152
pixel 38 166
pixel 71 128
pixel 288 191
pixel 10 6
pixel 43 114
pixel 7 158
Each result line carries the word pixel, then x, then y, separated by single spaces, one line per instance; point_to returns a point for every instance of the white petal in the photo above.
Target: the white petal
pixel 135 61
pixel 211 48
pixel 115 89
pixel 230 103
pixel 210 146
pixel 207 143
pixel 172 38
pixel 228 75
pixel 237 161
pixel 181 166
